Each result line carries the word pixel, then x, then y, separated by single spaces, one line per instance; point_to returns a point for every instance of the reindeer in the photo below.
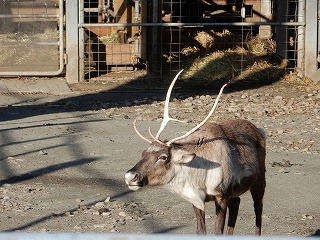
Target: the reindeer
pixel 211 162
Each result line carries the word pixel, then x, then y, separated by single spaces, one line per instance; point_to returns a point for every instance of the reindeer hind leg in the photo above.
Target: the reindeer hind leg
pixel 233 206
pixel 257 193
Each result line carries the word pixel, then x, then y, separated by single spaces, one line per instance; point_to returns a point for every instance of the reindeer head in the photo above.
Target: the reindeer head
pixel 159 160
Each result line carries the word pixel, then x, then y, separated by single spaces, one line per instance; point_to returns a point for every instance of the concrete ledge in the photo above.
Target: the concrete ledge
pixel 55 86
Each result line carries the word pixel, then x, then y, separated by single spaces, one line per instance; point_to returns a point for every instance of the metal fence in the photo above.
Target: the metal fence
pixel 212 39
pixel 31 37
pixel 209 39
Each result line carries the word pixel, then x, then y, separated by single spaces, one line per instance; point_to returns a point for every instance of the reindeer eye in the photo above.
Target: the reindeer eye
pixel 162 157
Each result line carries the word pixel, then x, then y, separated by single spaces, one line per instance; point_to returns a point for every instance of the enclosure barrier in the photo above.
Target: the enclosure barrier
pixel 162 37
pixel 30 46
pixel 97 236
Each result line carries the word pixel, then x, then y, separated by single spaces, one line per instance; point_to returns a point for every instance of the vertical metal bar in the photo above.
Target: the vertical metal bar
pixel 81 42
pixel 265 31
pixel 72 43
pixel 143 38
pixel 136 19
pixel 155 38
pixel 100 7
pixel 281 31
pixel 301 38
pixel 311 50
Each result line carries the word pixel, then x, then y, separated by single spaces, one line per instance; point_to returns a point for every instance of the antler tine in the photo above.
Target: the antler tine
pixel 139 134
pixel 166 117
pixel 203 122
pixel 154 138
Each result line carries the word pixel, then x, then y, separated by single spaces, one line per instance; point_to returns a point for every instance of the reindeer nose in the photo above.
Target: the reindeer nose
pixel 134 180
pixel 131 176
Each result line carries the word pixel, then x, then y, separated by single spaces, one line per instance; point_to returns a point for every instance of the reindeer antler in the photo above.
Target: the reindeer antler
pixel 139 134
pixel 166 117
pixel 203 122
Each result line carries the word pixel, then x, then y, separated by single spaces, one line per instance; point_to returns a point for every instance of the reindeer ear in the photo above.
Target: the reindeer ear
pixel 182 156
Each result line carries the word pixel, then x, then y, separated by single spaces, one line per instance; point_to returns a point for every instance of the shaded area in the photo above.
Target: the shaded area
pixel 45 170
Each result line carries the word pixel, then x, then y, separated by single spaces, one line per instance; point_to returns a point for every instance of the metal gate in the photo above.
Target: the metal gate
pixel 210 39
pixel 31 37
pixel 111 40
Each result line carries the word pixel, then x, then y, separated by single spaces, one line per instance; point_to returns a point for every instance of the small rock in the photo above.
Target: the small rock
pixel 122 214
pixel 99 205
pixel 282 170
pixel 243 96
pixel 43 152
pixel 134 205
pixel 282 130
pixel 78 200
pixel 69 214
pixel 103 210
pixel 106 213
pixel 102 225
pixel 307 216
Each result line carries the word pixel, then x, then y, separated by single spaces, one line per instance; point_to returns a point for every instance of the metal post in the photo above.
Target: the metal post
pixel 265 31
pixel 81 42
pixel 311 40
pixel 281 31
pixel 72 43
pixel 137 19
pixel 155 38
pixel 301 38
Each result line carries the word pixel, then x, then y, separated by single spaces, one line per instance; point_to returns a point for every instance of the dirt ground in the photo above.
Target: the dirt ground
pixel 63 159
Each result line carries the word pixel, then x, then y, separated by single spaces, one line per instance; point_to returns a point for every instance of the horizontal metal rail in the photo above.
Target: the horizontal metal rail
pixel 17 43
pixel 29 15
pixel 237 24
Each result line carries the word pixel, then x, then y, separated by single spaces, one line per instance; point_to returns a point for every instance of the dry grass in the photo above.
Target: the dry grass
pixel 235 61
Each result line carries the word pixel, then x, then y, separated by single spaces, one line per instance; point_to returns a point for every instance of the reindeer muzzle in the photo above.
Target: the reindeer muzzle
pixel 134 180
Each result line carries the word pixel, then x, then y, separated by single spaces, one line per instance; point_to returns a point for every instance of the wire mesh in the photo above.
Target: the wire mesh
pixel 218 39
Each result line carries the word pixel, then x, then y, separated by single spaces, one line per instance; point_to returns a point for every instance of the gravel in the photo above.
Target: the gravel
pixel 291 120
pixel 74 130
